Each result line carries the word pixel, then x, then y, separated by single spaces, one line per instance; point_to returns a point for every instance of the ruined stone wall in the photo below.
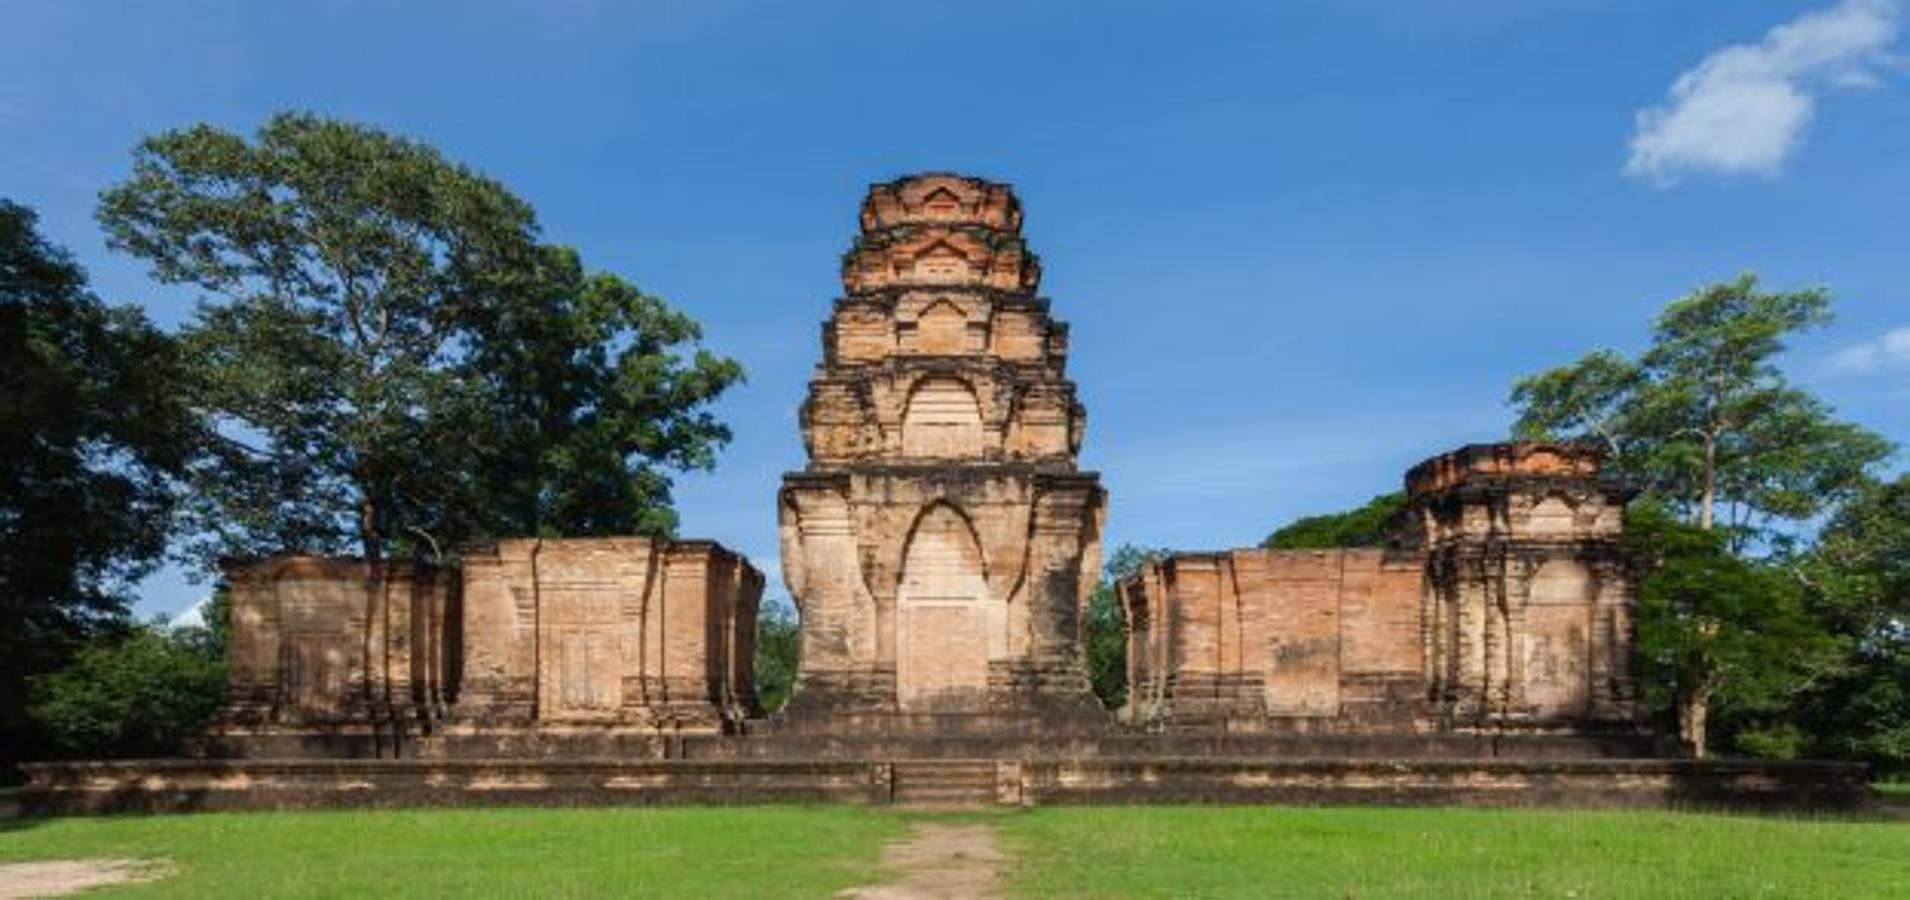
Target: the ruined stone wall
pixel 1504 603
pixel 530 634
pixel 317 640
pixel 629 631
pixel 940 543
pixel 1256 639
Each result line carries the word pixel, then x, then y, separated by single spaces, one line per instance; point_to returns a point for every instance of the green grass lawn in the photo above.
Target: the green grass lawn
pixel 1105 852
pixel 756 852
pixel 1273 852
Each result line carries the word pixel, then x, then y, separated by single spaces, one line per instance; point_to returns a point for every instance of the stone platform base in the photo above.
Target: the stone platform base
pixel 952 737
pixel 192 785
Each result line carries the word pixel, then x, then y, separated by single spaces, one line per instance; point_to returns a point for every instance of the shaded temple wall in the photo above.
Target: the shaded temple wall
pixel 315 639
pixel 1504 603
pixel 531 634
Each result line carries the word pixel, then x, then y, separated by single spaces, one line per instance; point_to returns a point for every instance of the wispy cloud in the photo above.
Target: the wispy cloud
pixel 193 616
pixel 1743 109
pixel 1890 349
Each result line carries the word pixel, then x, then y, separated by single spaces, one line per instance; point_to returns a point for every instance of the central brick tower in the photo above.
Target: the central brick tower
pixel 941 542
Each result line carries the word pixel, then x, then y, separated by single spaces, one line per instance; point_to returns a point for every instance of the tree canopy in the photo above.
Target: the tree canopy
pixel 392 359
pixel 1704 418
pixel 1706 422
pixel 1857 582
pixel 1365 526
pixel 94 434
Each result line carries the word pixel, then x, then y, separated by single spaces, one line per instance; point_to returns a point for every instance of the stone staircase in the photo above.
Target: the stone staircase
pixel 943 783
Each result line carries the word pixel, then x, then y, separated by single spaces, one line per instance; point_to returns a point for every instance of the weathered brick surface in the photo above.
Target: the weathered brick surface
pixel 1502 602
pixel 315 640
pixel 1150 777
pixel 941 542
pixel 533 634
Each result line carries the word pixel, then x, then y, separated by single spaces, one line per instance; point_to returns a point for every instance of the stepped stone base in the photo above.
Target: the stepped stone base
pixel 904 737
pixel 194 785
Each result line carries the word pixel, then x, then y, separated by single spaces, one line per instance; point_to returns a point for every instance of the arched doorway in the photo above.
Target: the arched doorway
pixel 947 624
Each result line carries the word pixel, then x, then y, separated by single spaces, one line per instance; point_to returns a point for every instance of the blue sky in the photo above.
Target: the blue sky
pixel 1302 245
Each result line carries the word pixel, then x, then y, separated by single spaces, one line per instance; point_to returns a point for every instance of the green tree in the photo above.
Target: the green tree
pixel 1704 418
pixel 1719 635
pixel 393 360
pixel 1857 580
pixel 93 440
pixel 1705 421
pixel 1106 626
pixel 1589 399
pixel 778 652
pixel 1366 526
pixel 141 693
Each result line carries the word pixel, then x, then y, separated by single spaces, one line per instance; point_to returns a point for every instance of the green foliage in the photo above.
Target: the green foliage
pixel 216 620
pixel 1106 625
pixel 393 360
pixel 94 433
pixel 1858 578
pixel 142 693
pixel 1704 418
pixel 1718 635
pixel 778 652
pixel 1587 399
pixel 1705 422
pixel 1366 526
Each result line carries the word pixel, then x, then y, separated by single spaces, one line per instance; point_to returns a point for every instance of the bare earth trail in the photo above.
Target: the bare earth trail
pixel 59 877
pixel 939 862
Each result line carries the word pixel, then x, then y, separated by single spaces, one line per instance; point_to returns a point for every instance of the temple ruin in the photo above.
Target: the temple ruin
pixel 941 545
pixel 590 640
pixel 1502 603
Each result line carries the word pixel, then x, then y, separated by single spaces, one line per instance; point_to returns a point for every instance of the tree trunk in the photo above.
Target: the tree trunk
pixel 1694 709
pixel 1707 503
pixel 374 578
pixel 368 528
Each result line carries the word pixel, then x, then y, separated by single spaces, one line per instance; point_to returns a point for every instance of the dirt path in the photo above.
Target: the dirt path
pixel 59 877
pixel 939 862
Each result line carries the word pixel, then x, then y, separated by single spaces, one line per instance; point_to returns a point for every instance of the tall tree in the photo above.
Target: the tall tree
pixel 584 381
pixel 93 440
pixel 1704 418
pixel 1706 421
pixel 393 360
pixel 1718 635
pixel 1589 399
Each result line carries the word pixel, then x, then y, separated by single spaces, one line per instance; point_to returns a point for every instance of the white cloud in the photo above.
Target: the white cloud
pixel 1892 348
pixel 193 616
pixel 1743 109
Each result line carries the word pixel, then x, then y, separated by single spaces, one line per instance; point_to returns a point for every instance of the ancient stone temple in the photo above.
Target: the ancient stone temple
pixel 1502 603
pixel 941 542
